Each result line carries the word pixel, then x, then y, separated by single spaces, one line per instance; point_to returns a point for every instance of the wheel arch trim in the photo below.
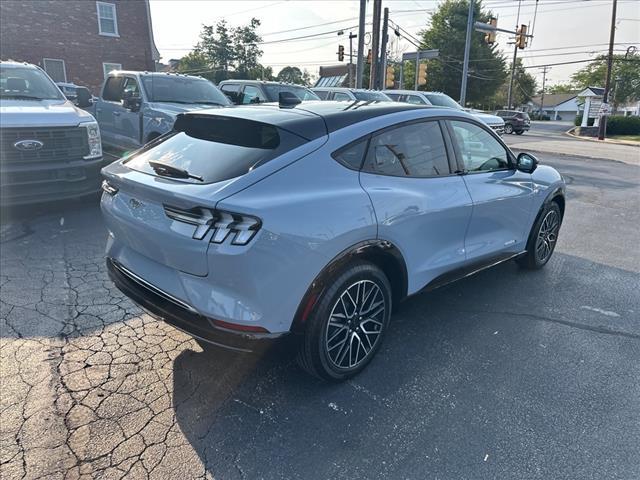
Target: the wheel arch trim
pixel 382 253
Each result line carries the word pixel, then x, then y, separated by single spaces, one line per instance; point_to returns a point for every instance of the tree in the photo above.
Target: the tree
pixel 561 88
pixel 230 52
pixel 524 87
pixel 447 33
pixel 196 63
pixel 625 70
pixel 294 75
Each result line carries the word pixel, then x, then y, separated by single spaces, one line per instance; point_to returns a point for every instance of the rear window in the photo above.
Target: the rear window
pixel 371 96
pixel 215 148
pixel 273 91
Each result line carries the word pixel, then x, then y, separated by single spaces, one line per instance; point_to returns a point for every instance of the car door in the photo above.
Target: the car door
pixel 502 196
pixel 111 102
pixel 421 206
pixel 126 120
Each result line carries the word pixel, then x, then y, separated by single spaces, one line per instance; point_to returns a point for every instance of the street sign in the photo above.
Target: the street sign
pixel 420 55
pixel 605 109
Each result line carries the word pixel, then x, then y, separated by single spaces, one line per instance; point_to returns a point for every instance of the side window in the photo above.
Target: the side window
pixel 232 90
pixel 415 99
pixel 341 97
pixel 113 89
pixel 251 94
pixel 393 96
pixel 480 151
pixel 130 88
pixel 322 94
pixel 414 150
pixel 351 155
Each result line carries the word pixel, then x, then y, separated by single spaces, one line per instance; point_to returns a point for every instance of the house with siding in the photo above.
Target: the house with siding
pixel 557 106
pixel 79 41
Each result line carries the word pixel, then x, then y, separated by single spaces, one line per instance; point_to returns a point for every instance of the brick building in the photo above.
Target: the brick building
pixel 78 41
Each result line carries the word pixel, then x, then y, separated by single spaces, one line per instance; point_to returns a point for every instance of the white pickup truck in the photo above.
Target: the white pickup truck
pixel 49 148
pixel 136 107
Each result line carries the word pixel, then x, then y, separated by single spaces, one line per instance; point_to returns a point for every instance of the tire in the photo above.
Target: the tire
pixel 543 238
pixel 339 341
pixel 519 132
pixel 508 128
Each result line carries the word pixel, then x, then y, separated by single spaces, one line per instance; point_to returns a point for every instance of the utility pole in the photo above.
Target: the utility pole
pixel 513 64
pixel 602 125
pixel 360 66
pixel 375 43
pixel 544 79
pixel 383 52
pixel 465 65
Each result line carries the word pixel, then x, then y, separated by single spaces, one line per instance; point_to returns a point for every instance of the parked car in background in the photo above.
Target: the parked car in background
pixel 136 107
pixel 350 94
pixel 244 92
pixel 438 99
pixel 68 90
pixel 50 149
pixel 244 225
pixel 515 121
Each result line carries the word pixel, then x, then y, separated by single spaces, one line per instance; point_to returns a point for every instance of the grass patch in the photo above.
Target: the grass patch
pixel 635 138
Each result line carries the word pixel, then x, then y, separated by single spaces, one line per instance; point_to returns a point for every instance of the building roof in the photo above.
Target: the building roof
pixel 591 92
pixel 553 99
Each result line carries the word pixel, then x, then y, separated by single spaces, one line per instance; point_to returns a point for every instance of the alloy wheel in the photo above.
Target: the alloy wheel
pixel 547 236
pixel 355 324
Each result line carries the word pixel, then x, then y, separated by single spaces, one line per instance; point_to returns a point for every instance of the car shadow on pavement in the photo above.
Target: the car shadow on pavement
pixel 491 365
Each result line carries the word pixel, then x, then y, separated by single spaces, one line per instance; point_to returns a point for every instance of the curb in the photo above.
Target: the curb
pixel 630 143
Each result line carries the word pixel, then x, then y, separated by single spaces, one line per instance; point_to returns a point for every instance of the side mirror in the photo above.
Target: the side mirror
pixel 288 99
pixel 526 162
pixel 131 103
pixel 83 97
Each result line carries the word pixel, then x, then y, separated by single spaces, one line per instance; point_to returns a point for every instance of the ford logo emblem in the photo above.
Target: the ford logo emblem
pixel 28 145
pixel 133 203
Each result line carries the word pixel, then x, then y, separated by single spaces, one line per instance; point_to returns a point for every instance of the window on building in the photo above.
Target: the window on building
pixel 55 69
pixel 107 20
pixel 109 67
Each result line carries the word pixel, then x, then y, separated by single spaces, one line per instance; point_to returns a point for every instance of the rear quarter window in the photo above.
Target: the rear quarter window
pixel 352 155
pixel 215 148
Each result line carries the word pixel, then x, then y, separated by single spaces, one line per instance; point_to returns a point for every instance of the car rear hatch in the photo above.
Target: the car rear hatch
pixel 160 201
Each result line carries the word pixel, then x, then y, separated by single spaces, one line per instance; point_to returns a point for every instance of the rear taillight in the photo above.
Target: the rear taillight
pixel 239 228
pixel 240 328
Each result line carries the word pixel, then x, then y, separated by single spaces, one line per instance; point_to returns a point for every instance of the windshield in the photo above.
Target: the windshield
pixel 442 100
pixel 176 89
pixel 26 84
pixel 273 91
pixel 371 96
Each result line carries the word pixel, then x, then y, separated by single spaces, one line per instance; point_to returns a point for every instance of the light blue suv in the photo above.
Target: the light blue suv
pixel 243 225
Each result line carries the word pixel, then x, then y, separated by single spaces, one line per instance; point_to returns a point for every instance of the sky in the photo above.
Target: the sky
pixel 564 30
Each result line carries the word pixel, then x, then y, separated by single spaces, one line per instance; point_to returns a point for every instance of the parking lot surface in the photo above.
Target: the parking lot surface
pixel 506 374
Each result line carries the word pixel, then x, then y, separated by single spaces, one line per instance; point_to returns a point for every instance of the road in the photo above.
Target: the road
pixel 507 374
pixel 549 137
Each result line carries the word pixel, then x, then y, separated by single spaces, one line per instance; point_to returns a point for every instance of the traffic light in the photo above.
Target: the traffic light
pixel 340 53
pixel 490 37
pixel 521 36
pixel 422 74
pixel 390 78
pixel 369 56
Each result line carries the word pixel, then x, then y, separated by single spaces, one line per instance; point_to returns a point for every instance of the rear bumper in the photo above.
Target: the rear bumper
pixel 184 317
pixel 41 182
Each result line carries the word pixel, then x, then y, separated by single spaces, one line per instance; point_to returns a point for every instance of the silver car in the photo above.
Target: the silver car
pixel 245 225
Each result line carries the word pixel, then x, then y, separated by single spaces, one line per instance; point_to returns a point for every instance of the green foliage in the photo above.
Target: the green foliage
pixel 524 87
pixel 447 32
pixel 226 52
pixel 294 75
pixel 561 88
pixel 621 125
pixel 627 89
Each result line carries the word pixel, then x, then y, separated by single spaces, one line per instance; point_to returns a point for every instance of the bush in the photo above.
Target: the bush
pixel 620 125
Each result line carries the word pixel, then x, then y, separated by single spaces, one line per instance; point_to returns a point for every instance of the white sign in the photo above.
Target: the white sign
pixel 605 109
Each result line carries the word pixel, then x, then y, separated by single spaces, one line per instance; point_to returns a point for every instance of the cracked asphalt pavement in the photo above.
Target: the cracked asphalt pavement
pixel 506 374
